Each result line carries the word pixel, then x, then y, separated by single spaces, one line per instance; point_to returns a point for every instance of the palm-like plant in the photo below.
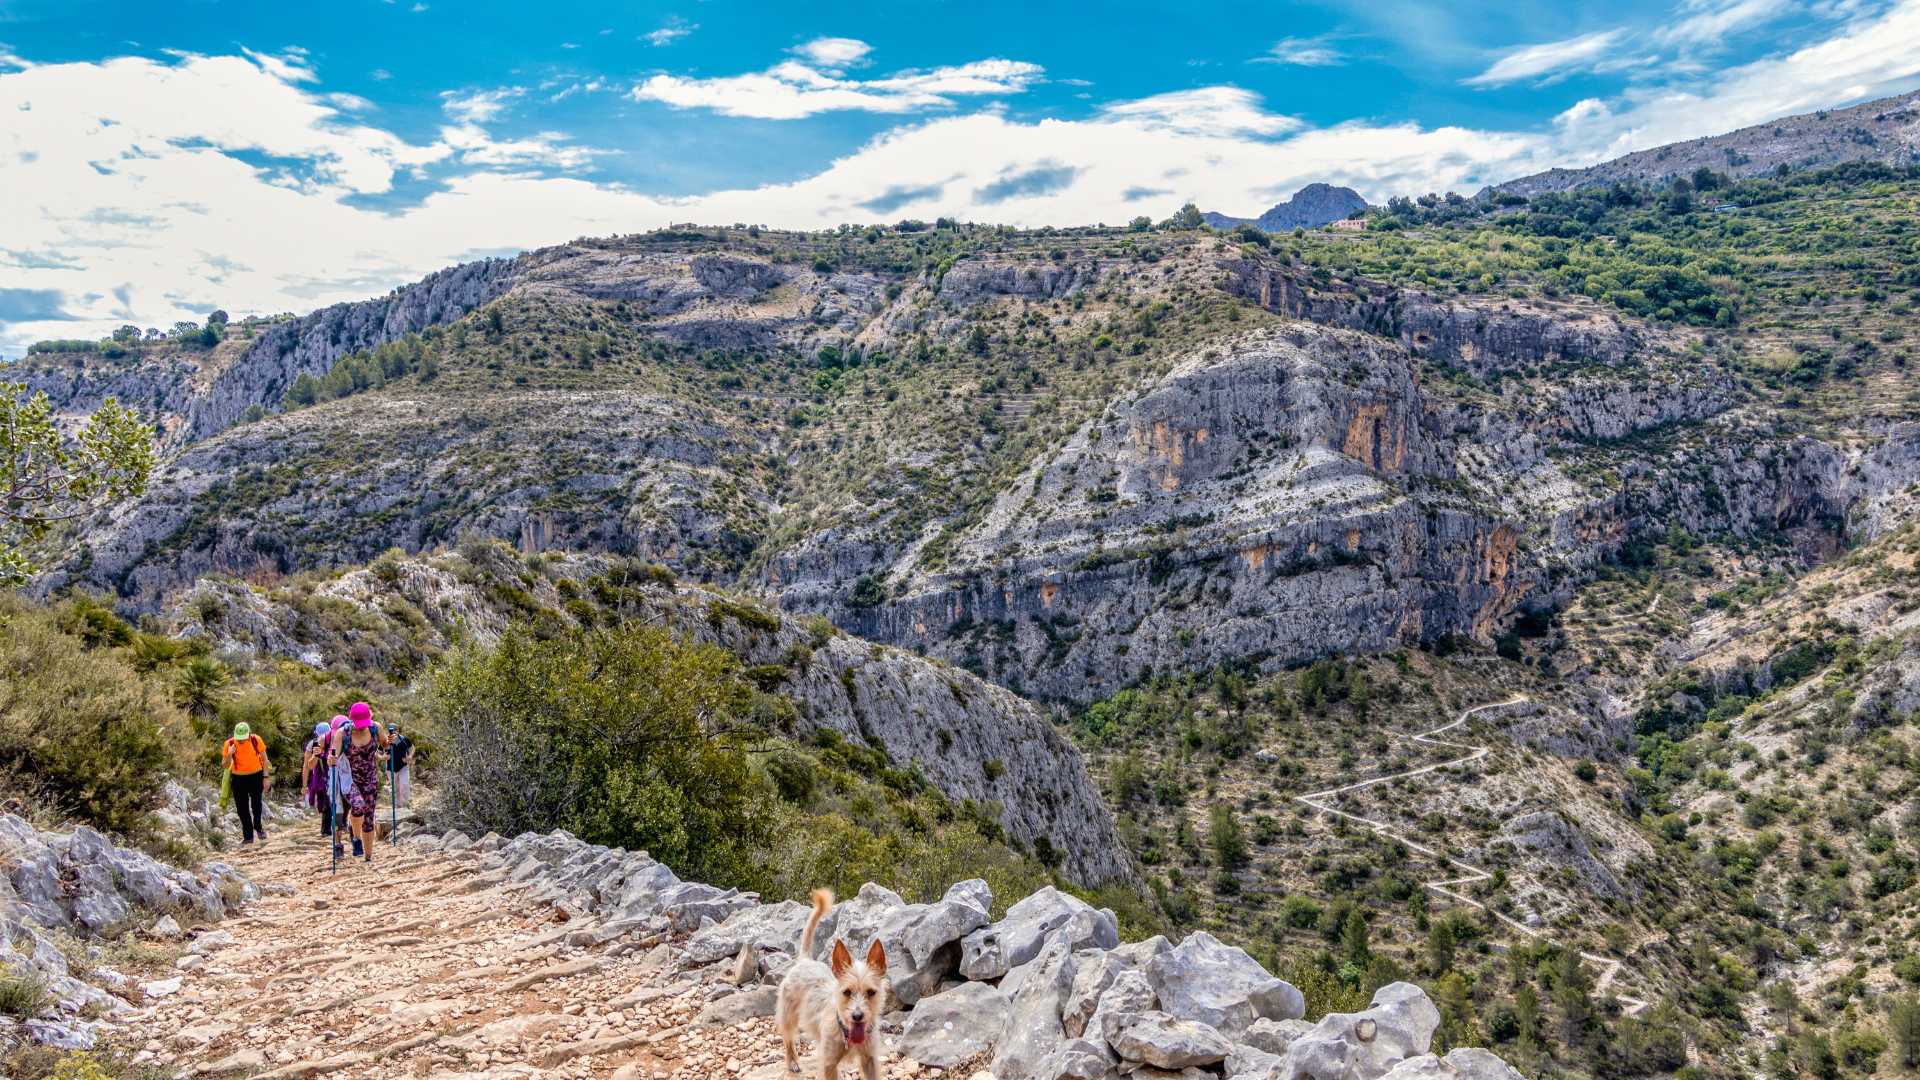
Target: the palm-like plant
pixel 198 686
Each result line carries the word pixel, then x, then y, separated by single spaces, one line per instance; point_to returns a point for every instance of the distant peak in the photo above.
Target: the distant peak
pixel 1312 206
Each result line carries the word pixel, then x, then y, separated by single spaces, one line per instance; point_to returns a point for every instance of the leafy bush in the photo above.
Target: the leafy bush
pixel 629 736
pixel 92 734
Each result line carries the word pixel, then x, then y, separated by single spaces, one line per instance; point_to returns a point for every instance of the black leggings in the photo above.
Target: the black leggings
pixel 249 797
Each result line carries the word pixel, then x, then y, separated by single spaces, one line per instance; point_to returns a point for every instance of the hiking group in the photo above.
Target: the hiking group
pixel 341 767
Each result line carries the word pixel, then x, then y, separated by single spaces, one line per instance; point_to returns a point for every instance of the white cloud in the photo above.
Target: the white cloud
pixel 1707 22
pixel 835 52
pixel 1302 52
pixel 1868 58
pixel 668 34
pixel 476 147
pixel 135 192
pixel 793 89
pixel 1553 58
pixel 1210 110
pixel 479 106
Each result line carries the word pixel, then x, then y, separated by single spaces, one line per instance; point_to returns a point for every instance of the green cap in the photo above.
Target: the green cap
pixel 241 730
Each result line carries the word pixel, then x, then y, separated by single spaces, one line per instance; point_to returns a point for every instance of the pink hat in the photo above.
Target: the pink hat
pixel 362 715
pixel 339 722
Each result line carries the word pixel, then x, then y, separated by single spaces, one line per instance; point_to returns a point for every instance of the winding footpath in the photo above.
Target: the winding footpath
pixel 429 965
pixel 1608 967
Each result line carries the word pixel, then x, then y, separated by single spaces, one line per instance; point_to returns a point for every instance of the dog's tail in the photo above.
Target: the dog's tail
pixel 822 903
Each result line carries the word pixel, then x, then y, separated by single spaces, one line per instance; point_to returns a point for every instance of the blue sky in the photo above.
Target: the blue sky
pixel 173 157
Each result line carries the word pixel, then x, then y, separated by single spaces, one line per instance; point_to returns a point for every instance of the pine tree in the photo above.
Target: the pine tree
pixel 1353 940
pixel 1903 1024
pixel 1440 947
pixel 1574 995
pixel 1526 1009
pixel 1224 834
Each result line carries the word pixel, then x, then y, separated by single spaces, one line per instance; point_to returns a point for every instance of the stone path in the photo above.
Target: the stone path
pixel 428 964
pixel 1608 967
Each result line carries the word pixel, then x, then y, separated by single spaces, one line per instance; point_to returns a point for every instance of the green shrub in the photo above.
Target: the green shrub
pixel 627 736
pixel 22 994
pixel 92 735
pixel 746 615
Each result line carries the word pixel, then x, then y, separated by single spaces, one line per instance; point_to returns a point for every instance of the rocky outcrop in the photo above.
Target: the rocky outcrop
pixel 1292 495
pixel 340 483
pixel 310 344
pixel 1482 336
pixel 83 885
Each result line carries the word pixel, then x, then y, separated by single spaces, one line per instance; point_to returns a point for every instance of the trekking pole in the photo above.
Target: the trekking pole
pixel 393 803
pixel 333 814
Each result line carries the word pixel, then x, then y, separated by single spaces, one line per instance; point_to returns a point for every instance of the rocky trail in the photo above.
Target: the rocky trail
pixel 426 964
pixel 1609 968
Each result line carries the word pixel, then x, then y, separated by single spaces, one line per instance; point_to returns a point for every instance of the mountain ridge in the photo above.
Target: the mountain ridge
pixel 1886 130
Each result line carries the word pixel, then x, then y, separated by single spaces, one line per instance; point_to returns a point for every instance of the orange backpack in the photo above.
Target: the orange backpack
pixel 249 756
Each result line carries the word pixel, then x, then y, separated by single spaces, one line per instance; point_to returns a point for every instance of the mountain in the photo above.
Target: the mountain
pixel 1886 132
pixel 1309 208
pixel 1515 598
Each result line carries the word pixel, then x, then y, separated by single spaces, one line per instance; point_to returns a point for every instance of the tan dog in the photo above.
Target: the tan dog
pixel 838 1006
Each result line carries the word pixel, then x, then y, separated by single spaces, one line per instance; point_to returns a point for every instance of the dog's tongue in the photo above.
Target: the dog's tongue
pixel 857 1034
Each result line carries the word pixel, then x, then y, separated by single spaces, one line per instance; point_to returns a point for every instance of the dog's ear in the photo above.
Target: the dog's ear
pixel 877 957
pixel 842 959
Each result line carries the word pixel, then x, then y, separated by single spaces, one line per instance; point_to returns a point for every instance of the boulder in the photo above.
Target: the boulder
pixel 1221 986
pixel 954 1026
pixel 688 903
pixel 1168 1042
pixel 738 1008
pixel 1037 995
pixel 1129 996
pixel 1078 1059
pixel 211 941
pixel 641 889
pixel 992 951
pixel 763 928
pixel 1274 1036
pixel 1364 1045
pixel 923 940
pixel 1095 970
pixel 856 921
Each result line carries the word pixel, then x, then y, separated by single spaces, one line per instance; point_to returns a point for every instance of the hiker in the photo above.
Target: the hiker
pixel 313 775
pixel 402 765
pixel 361 747
pixel 245 758
pixel 342 779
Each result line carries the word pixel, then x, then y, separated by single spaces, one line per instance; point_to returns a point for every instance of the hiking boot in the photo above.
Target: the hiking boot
pixel 356 848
